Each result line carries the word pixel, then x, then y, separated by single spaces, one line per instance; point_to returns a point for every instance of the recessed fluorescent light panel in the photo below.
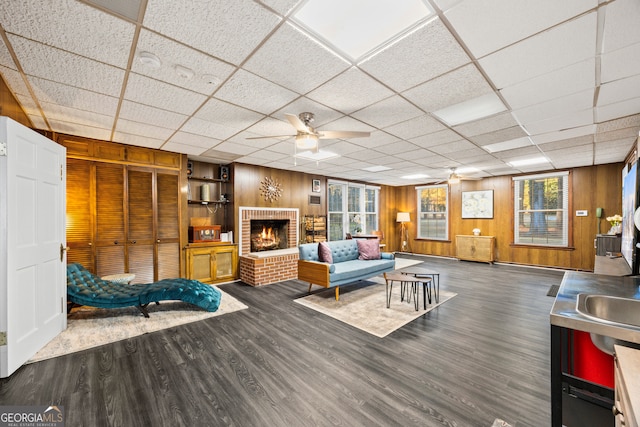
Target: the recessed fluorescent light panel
pixel 473 109
pixel 415 176
pixel 376 168
pixel 528 162
pixel 525 141
pixel 358 27
pixel 320 155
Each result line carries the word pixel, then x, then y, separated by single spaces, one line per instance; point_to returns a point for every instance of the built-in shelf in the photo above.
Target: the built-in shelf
pixel 203 202
pixel 195 178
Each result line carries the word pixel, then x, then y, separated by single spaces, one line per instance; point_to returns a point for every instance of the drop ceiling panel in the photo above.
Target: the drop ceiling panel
pixel 565 143
pixel 28 105
pixel 14 81
pixel 398 147
pixel 227 29
pixel 453 147
pixel 377 139
pixel 226 114
pixel 544 138
pixel 272 127
pixel 388 112
pixel 97 35
pixel 619 109
pixel 621 27
pixel 57 93
pixel 283 7
pixel 619 90
pixel 452 88
pixel 189 150
pixel 350 91
pixel 173 54
pixel 415 127
pixel 507 134
pixel 489 124
pixel 348 123
pixel 254 93
pixel 301 54
pixel 142 129
pixel 484 29
pixel 566 81
pixel 194 140
pixel 151 115
pixel 54 64
pixel 621 123
pixel 570 120
pixel 436 138
pixel 138 140
pixel 38 121
pixel 556 107
pixel 429 41
pixel 72 115
pixel 551 50
pixel 158 94
pixel 207 128
pixel 79 130
pixel 620 63
pixel 5 57
pixel 243 150
pixel 323 114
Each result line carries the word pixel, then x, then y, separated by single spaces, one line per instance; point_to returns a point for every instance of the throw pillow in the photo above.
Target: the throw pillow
pixel 324 252
pixel 368 248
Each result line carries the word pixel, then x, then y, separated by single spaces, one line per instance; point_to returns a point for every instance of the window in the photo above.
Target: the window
pixel 541 209
pixel 433 212
pixel 353 208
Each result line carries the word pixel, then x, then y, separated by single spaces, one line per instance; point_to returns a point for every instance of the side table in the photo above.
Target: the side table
pixel 405 280
pixel 425 272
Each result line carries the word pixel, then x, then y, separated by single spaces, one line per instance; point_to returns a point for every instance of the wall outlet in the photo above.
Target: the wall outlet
pixel 582 213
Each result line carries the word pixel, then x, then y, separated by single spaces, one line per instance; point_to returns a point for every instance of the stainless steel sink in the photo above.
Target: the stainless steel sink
pixel 625 311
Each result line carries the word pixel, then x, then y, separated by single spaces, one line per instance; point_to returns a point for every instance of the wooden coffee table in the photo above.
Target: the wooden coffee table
pixel 422 272
pixel 405 280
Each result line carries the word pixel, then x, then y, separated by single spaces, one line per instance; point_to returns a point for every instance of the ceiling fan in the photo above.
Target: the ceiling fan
pixel 455 178
pixel 307 137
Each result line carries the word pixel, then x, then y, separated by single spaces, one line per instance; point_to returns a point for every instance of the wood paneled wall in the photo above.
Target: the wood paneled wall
pixel 10 107
pixel 296 189
pixel 591 187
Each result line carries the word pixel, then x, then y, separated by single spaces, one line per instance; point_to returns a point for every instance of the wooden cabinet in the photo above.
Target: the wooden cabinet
pixel 475 248
pixel 212 262
pixel 123 219
pixel 627 386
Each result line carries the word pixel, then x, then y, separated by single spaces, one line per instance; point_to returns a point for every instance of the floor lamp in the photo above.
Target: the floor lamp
pixel 402 218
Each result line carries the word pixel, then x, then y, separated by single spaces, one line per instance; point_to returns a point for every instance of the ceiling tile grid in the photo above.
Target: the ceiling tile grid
pixel 229 70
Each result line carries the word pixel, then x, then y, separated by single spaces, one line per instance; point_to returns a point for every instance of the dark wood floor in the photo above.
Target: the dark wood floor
pixel 481 356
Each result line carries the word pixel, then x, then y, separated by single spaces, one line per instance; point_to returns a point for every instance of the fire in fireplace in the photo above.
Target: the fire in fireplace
pixel 269 235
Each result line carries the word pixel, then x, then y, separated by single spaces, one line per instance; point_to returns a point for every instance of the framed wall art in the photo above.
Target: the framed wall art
pixel 315 185
pixel 477 204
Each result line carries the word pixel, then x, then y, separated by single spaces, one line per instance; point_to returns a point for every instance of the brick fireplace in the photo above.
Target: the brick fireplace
pixel 265 267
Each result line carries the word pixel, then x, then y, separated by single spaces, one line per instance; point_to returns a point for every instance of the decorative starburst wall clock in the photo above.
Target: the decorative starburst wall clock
pixel 270 189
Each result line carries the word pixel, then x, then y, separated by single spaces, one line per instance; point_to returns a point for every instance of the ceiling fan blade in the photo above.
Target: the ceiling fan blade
pixel 272 136
pixel 297 123
pixel 342 134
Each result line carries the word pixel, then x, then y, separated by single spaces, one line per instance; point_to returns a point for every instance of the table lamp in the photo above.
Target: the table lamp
pixel 402 218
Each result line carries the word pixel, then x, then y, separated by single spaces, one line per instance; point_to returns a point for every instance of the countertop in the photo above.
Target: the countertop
pixel 564 313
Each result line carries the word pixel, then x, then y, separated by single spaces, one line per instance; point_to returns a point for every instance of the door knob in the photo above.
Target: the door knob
pixel 62 250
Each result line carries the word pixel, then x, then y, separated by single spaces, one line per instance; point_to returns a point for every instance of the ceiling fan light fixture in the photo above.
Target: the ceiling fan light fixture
pixel 306 142
pixel 453 179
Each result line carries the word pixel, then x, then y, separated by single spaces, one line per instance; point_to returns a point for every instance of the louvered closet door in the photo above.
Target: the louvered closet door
pixel 140 231
pixel 79 217
pixel 110 228
pixel 168 224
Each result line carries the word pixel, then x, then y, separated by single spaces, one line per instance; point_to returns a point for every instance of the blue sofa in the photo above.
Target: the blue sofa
pixel 346 267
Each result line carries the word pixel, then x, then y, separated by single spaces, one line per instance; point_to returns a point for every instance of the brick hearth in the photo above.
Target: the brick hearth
pixel 263 268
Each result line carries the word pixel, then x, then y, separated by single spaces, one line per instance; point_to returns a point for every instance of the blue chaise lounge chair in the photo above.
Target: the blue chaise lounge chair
pixel 85 288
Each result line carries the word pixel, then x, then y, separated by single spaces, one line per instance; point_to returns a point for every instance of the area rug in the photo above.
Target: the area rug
pixel 89 327
pixel 363 305
pixel 405 262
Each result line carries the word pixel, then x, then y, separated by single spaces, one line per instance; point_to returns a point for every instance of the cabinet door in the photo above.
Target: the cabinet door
pixel 110 228
pixel 140 224
pixel 225 263
pixel 464 247
pixel 200 264
pixel 80 220
pixel 168 224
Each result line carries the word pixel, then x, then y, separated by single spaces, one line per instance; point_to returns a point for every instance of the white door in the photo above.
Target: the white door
pixel 32 231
